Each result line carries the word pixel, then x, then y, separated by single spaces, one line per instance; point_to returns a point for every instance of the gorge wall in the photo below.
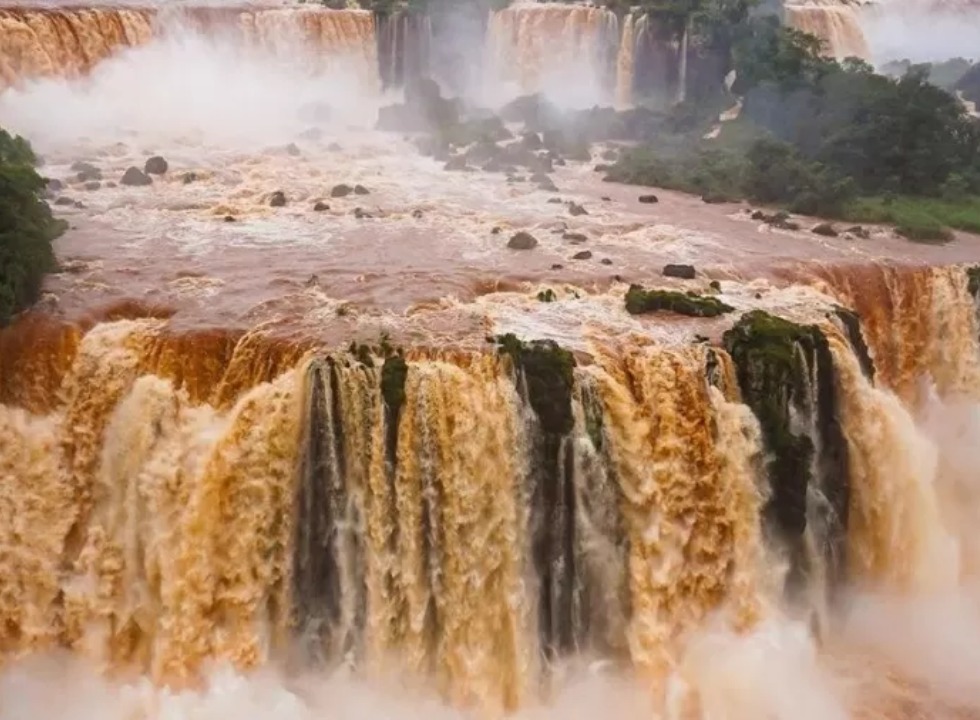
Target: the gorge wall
pixel 473 516
pixel 522 49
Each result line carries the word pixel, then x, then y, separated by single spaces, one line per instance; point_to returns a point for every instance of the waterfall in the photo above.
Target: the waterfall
pixel 472 518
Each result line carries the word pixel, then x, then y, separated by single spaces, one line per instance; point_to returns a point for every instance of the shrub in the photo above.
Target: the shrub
pixel 26 227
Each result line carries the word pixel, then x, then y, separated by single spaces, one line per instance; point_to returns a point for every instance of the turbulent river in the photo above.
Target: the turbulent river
pixel 273 449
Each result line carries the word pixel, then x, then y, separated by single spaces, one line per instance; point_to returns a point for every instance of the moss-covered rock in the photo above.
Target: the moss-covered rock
pixel 393 375
pixel 787 377
pixel 640 301
pixel 548 372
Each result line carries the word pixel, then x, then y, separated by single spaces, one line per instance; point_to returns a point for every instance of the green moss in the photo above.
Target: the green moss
pixel 640 301
pixel 548 372
pixel 770 356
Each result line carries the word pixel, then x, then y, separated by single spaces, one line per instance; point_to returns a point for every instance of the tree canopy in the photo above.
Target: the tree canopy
pixel 26 227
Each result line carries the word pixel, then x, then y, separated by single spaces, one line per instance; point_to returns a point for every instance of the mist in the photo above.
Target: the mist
pixel 184 87
pixel 912 31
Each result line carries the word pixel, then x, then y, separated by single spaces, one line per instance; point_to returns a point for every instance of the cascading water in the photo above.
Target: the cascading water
pixel 837 25
pixel 218 498
pixel 71 41
pixel 472 518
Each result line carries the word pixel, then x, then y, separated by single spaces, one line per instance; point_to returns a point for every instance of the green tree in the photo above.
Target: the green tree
pixel 26 227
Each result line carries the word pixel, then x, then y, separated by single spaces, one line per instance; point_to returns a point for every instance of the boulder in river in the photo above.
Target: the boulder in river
pixel 582 255
pixel 320 207
pixel 277 199
pixel 135 177
pixel 648 199
pixel 683 272
pixel 361 190
pixel 341 190
pixel 156 165
pixel 522 241
pixel 575 210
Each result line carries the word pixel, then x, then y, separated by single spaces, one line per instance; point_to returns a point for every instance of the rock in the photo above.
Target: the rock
pixel 229 218
pixel 64 201
pixel 93 185
pixel 156 165
pixel 557 266
pixel 648 199
pixel 341 190
pixel 606 261
pixel 135 178
pixel 575 210
pixel 606 198
pixel 554 201
pixel 716 198
pixel 361 214
pixel 80 205
pixel 825 229
pixel 575 238
pixel 602 168
pixel 110 184
pixel 54 185
pixel 522 241
pixel 582 255
pixel 188 177
pixel 532 141
pixel 320 206
pixel 758 215
pixel 455 163
pixel 684 272
pixel 715 285
pixel 277 199
pixel 293 149
pixel 88 175
pixel 361 190
pixel 417 214
pixel 495 231
pixel 858 231
pixel 82 166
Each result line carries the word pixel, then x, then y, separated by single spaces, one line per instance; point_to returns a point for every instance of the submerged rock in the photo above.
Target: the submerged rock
pixel 361 190
pixel 320 207
pixel 277 199
pixel 576 210
pixel 156 165
pixel 93 185
pixel 64 201
pixel 648 199
pixel 522 241
pixel 825 229
pixel 582 255
pixel 341 190
pixel 684 272
pixel 135 177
